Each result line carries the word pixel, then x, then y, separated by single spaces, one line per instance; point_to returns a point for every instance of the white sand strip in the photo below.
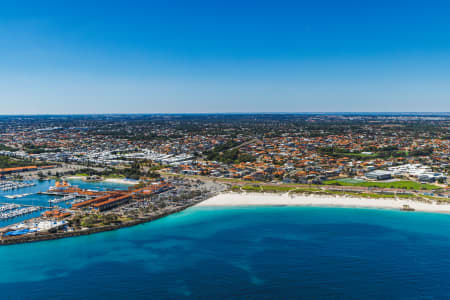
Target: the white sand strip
pixel 74 177
pixel 111 180
pixel 121 181
pixel 270 199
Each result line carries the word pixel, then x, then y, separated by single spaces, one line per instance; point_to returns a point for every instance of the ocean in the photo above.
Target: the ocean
pixel 243 253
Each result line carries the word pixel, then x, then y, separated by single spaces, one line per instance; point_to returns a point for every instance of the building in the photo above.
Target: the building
pixel 112 203
pixel 100 199
pixel 379 175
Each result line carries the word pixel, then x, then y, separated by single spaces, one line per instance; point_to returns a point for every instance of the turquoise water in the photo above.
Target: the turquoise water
pixel 42 200
pixel 243 253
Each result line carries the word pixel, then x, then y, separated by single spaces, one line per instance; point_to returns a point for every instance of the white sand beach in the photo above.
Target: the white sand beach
pixel 121 181
pixel 271 199
pixel 112 180
pixel 74 177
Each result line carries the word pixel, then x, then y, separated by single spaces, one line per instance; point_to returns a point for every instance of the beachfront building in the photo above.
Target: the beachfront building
pixel 379 175
pixel 421 172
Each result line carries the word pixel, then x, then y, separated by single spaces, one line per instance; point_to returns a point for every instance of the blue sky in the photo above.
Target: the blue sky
pixel 223 56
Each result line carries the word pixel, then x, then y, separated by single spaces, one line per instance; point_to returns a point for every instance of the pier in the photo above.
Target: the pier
pixel 6 185
pixel 63 199
pixel 25 205
pixel 13 210
pixel 19 212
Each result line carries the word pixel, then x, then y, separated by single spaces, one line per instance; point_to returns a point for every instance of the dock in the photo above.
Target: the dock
pixel 27 205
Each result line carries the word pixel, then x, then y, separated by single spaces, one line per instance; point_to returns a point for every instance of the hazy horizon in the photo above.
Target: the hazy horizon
pixel 444 114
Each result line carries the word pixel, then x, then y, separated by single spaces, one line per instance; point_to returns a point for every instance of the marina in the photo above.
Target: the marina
pixel 7 185
pixel 225 150
pixel 18 196
pixel 8 207
pixel 38 196
pixel 95 207
pixel 63 199
pixel 19 212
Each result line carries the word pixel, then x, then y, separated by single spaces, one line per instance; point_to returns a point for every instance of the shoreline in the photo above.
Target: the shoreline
pixel 249 199
pixel 89 231
pixel 231 199
pixel 110 180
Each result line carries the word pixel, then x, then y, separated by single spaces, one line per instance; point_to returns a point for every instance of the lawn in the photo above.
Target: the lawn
pixel 264 188
pixel 82 174
pixel 120 176
pixel 275 188
pixel 251 188
pixel 403 184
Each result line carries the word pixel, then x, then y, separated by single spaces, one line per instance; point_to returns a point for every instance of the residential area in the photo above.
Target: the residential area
pixel 307 149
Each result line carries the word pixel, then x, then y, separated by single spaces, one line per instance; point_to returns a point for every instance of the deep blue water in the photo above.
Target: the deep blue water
pixel 243 253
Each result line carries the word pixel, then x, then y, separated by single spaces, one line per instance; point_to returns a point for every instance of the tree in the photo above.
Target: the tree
pixel 109 218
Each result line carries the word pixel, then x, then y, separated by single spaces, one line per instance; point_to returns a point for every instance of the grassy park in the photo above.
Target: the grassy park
pixel 402 184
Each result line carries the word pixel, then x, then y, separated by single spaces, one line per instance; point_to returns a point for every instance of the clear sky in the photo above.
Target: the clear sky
pixel 224 56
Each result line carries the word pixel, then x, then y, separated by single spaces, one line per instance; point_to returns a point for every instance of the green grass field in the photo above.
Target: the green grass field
pixel 403 184
pixel 82 175
pixel 120 176
pixel 276 188
pixel 251 188
pixel 350 180
pixel 273 188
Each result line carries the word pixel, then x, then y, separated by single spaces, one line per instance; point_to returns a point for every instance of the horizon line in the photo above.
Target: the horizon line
pixel 230 113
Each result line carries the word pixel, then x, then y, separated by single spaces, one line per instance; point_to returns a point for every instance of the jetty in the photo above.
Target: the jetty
pixel 7 185
pixel 8 206
pixel 13 210
pixel 63 199
pixel 45 236
pixel 18 196
pixel 19 212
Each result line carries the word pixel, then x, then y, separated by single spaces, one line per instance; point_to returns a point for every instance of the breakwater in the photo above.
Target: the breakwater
pixel 37 237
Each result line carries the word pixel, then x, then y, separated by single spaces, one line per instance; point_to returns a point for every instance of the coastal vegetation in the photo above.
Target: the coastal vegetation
pixel 96 220
pixel 310 190
pixel 249 185
pixel 401 184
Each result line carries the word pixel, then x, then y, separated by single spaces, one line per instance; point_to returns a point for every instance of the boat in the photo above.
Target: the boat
pixel 19 212
pixel 17 196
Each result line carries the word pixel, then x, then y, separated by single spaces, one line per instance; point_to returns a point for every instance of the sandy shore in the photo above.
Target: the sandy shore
pixel 121 181
pixel 74 177
pixel 270 199
pixel 112 180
